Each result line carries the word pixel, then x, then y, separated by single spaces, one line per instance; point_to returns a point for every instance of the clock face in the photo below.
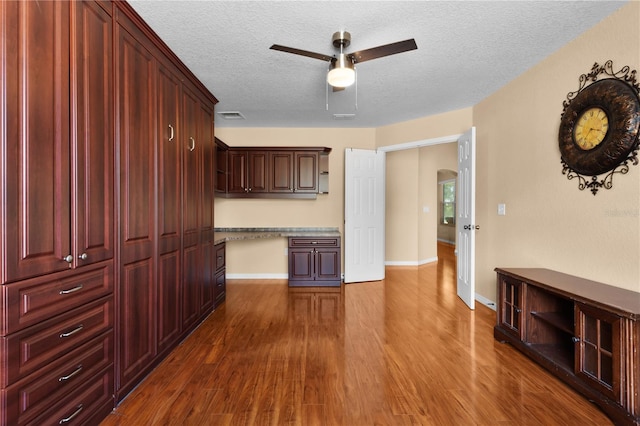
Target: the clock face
pixel 591 128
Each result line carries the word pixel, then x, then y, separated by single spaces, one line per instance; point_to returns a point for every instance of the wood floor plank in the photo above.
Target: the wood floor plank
pixel 402 351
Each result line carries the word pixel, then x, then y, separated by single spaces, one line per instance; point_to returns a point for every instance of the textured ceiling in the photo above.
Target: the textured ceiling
pixel 466 51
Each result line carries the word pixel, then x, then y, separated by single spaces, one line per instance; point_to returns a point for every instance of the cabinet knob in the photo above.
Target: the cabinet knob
pixel 83 256
pixel 68 258
pixel 575 339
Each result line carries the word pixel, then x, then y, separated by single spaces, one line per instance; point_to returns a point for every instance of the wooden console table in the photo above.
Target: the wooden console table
pixel 584 332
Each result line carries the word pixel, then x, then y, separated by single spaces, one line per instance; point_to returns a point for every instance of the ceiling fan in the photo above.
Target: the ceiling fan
pixel 342 67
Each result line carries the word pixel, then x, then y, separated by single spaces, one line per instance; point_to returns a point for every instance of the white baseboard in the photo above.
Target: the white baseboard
pixel 257 276
pixel 410 262
pixel 486 302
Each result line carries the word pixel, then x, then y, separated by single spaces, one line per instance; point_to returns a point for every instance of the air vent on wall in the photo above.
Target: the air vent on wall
pixel 231 115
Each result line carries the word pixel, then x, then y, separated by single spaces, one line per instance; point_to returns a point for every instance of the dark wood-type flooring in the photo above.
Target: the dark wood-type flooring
pixel 403 351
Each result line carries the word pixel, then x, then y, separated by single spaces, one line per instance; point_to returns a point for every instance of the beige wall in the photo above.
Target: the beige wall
pixel 549 222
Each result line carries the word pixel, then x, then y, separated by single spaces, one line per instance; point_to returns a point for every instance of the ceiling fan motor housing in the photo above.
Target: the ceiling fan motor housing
pixel 341 39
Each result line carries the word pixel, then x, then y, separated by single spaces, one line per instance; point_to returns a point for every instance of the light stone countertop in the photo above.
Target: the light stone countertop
pixel 232 234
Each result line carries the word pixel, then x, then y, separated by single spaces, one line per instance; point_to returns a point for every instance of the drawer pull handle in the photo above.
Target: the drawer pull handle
pixel 72 290
pixel 71 375
pixel 72 416
pixel 72 332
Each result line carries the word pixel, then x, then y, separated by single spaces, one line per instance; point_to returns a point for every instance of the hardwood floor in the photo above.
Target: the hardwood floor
pixel 403 351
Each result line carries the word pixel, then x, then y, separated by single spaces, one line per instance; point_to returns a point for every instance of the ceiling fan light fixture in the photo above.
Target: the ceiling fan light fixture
pixel 342 72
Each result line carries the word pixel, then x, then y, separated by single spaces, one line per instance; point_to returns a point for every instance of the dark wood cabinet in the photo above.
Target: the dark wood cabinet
pixel 584 332
pixel 220 289
pixel 271 172
pixel 57 210
pixel 136 291
pixel 222 167
pixel 314 261
pixel 169 223
pixel 108 141
pixel 248 171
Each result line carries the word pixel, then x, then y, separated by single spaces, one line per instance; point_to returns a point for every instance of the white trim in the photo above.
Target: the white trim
pixel 420 143
pixel 486 302
pixel 410 262
pixel 257 276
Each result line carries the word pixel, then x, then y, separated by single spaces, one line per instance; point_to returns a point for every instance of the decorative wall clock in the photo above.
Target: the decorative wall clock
pixel 600 127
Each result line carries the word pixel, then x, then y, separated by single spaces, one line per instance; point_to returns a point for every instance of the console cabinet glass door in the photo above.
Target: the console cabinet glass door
pixel 511 298
pixel 598 349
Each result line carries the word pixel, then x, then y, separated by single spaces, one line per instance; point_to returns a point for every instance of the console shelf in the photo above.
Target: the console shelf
pixel 584 332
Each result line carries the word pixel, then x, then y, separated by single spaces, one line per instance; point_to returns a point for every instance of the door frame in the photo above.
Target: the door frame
pixel 423 143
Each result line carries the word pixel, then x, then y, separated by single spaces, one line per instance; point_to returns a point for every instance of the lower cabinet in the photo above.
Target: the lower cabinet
pixel 220 289
pixel 57 348
pixel 314 261
pixel 584 332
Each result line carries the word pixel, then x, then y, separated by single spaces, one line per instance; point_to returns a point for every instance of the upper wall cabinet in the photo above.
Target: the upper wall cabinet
pixel 271 172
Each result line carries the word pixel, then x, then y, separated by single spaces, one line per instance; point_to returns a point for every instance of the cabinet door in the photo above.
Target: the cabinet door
pixel 35 84
pixel 169 211
pixel 510 314
pixel 306 172
pixel 137 288
pixel 258 164
pixel 281 172
pixel 599 350
pixel 327 264
pixel 192 187
pixel 92 135
pixel 301 264
pixel 237 162
pixel 207 142
pixel 222 152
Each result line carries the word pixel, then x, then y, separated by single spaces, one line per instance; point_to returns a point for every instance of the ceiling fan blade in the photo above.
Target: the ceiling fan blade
pixel 385 50
pixel 302 52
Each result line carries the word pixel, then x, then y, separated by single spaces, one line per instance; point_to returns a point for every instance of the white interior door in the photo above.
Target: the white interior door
pixel 465 223
pixel 364 194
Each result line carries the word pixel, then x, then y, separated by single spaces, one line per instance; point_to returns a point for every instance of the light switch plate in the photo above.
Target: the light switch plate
pixel 502 209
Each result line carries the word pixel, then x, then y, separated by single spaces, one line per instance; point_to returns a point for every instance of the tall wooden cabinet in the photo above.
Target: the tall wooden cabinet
pixel 584 332
pixel 167 259
pixel 58 215
pixel 107 180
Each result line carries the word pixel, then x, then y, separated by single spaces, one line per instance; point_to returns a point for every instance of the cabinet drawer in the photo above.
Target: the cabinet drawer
pixel 37 346
pixel 87 404
pixel 35 393
pixel 220 289
pixel 220 256
pixel 313 242
pixel 29 302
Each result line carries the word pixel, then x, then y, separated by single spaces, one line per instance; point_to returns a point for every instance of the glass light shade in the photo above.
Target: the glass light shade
pixel 342 72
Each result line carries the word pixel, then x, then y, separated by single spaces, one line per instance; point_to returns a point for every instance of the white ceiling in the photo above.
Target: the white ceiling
pixel 466 51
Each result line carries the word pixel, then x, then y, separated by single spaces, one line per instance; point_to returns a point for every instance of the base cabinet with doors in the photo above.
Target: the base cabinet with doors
pixel 584 332
pixel 314 261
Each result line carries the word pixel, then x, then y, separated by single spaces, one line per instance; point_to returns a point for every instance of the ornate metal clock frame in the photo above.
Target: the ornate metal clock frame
pixel 617 94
